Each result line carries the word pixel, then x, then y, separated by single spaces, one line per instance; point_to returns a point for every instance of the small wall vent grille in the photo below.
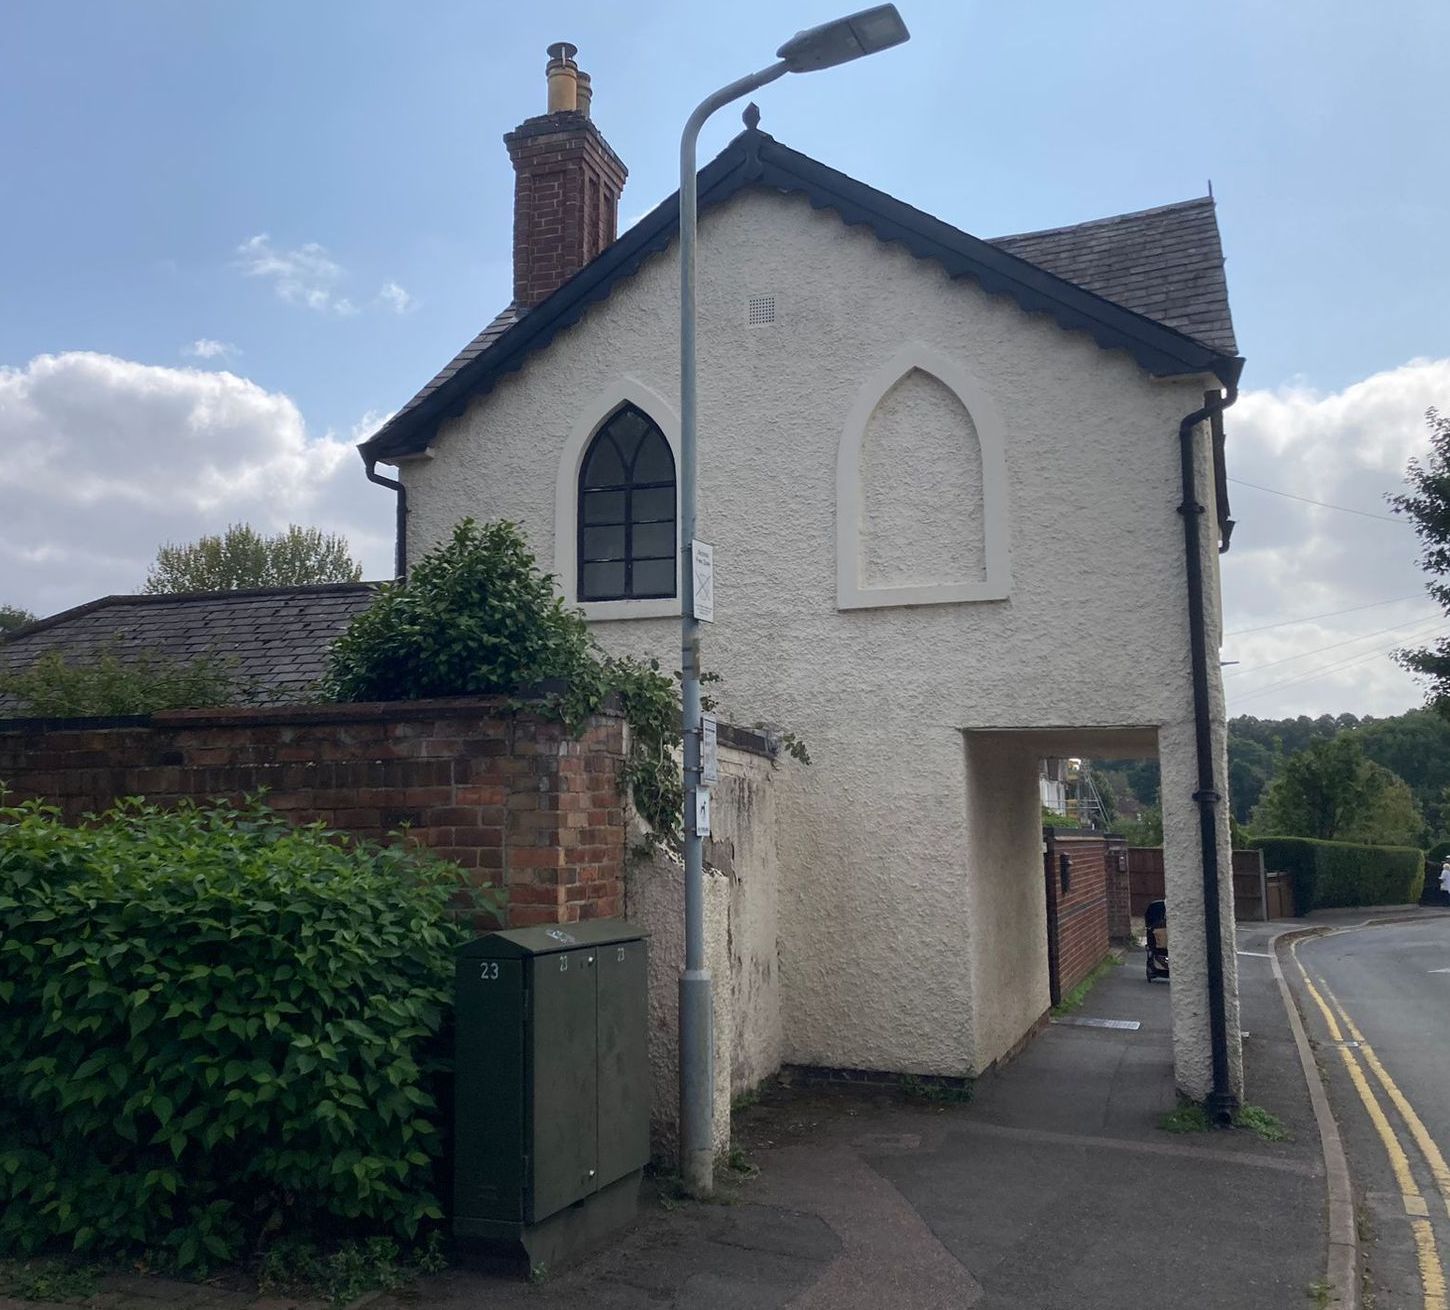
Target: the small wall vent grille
pixel 760 310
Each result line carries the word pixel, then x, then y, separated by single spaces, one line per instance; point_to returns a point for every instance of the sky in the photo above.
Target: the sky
pixel 237 236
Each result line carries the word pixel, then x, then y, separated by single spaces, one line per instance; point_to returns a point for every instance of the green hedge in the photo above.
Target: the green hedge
pixel 215 1028
pixel 1332 873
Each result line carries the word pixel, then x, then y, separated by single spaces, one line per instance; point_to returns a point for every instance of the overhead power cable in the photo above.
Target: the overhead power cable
pixel 1323 504
pixel 1319 650
pixel 1339 666
pixel 1331 614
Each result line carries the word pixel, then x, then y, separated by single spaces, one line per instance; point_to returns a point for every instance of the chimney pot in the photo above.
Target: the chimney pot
pixel 563 77
pixel 585 93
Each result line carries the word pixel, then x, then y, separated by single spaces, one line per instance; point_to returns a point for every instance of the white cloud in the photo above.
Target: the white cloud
pixel 107 459
pixel 207 348
pixel 370 423
pixel 307 275
pixel 397 299
pixel 1289 559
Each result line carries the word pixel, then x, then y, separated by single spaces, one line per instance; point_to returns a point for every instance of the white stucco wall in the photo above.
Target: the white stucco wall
pixel 741 883
pixel 745 846
pixel 885 915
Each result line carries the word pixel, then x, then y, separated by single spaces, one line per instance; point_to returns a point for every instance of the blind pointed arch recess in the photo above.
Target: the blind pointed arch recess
pixel 853 590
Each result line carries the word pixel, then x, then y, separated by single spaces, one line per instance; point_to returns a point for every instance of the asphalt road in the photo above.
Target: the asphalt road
pixel 1376 1002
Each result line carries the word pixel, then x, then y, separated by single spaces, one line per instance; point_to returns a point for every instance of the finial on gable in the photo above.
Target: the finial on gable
pixel 751 116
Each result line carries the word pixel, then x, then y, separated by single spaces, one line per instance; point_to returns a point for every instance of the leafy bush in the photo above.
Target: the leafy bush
pixel 106 683
pixel 1333 873
pixel 214 1027
pixel 477 616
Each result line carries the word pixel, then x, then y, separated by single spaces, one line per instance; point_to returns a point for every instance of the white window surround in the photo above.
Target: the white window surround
pixel 626 390
pixel 997 583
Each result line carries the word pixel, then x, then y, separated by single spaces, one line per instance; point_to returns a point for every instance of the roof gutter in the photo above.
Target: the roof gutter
pixel 400 549
pixel 1222 1100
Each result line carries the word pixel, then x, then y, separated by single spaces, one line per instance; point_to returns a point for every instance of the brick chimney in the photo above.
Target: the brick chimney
pixel 566 187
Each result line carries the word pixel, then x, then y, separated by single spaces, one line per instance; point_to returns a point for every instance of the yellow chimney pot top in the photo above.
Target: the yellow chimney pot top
pixel 563 76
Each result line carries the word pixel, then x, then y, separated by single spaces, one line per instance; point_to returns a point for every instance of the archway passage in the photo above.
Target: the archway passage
pixel 1011 900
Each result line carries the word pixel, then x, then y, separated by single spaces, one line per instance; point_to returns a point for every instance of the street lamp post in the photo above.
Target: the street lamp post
pixel 825 46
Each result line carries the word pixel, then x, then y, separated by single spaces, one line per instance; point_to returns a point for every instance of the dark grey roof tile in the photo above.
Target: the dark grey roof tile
pixel 276 639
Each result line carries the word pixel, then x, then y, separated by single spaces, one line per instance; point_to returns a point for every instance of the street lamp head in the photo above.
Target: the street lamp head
pixel 844 39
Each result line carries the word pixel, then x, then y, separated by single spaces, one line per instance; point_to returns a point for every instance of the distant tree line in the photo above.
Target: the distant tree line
pixel 1340 777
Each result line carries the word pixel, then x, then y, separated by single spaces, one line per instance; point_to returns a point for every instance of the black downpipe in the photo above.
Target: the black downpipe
pixel 1222 1102
pixel 400 551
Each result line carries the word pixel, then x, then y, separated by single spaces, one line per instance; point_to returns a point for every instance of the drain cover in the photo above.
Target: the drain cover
pixel 1129 1025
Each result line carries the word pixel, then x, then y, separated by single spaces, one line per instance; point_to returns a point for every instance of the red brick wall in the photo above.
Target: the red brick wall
pixel 566 197
pixel 1077 916
pixel 1120 908
pixel 512 798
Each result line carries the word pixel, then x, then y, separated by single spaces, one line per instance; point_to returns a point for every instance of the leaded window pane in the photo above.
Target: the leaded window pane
pixel 656 505
pixel 603 544
pixel 654 577
pixel 627 543
pixel 603 580
pixel 653 461
pixel 604 506
pixel 654 540
pixel 604 467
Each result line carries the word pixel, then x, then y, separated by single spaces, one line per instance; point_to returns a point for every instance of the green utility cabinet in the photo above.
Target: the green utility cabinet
pixel 552 1085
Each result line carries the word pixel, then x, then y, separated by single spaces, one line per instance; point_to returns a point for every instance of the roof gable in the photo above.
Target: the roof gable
pixel 755 158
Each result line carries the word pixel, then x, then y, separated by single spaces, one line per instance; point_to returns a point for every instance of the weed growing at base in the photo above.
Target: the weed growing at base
pixel 1074 999
pixel 48 1279
pixel 1190 1117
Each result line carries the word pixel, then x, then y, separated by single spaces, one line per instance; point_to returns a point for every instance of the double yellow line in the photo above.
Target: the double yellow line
pixel 1417 1210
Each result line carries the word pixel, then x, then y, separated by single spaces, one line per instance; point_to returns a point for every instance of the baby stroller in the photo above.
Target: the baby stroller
pixel 1155 922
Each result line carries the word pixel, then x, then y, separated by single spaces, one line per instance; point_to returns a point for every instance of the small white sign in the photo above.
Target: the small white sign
pixel 702 567
pixel 702 812
pixel 709 748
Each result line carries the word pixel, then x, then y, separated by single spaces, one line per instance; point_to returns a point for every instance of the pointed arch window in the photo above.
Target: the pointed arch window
pixel 627 548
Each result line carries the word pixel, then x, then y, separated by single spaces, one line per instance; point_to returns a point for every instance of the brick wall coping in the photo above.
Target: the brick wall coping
pixel 754 741
pixel 242 716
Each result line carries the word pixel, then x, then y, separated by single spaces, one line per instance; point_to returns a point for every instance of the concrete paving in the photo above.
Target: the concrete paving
pixel 1055 1189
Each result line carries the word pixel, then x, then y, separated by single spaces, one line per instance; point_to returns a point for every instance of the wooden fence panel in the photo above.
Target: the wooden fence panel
pixel 1145 881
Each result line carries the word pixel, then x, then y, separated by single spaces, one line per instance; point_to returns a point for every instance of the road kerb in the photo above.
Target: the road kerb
pixel 1341 1271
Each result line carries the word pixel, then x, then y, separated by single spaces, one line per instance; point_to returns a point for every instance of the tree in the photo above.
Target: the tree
pixel 1330 790
pixel 1251 765
pixel 12 617
pixel 1145 830
pixel 1427 503
pixel 242 557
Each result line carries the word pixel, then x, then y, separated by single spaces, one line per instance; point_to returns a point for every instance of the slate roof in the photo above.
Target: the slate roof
pixel 500 324
pixel 276 637
pixel 1147 279
pixel 1165 263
